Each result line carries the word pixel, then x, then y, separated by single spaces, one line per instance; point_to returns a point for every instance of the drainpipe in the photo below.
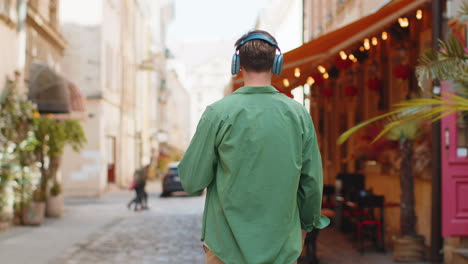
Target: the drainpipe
pixel 436 223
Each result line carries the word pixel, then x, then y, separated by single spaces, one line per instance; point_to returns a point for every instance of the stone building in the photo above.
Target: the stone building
pixel 10 40
pixel 120 74
pixel 44 41
pixel 177 114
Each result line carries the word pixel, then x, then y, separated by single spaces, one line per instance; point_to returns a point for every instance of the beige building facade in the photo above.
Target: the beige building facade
pixel 10 40
pixel 177 113
pixel 30 33
pixel 44 41
pixel 117 73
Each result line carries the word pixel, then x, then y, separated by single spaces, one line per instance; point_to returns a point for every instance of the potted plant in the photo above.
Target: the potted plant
pixel 54 205
pixel 34 210
pixel 53 136
pixel 17 144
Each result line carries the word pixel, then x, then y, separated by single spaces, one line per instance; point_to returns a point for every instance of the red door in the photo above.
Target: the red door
pixel 454 174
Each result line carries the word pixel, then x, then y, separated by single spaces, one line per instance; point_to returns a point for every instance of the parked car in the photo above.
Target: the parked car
pixel 171 180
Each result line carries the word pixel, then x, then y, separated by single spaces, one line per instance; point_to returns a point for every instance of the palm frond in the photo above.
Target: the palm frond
pixel 410 111
pixel 348 133
pixel 463 12
pixel 450 63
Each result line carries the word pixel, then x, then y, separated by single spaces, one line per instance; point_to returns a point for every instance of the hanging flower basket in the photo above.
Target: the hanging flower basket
pixel 374 84
pixel 402 71
pixel 350 91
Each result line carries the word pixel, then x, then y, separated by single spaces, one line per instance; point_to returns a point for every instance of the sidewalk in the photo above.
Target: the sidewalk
pixel 82 217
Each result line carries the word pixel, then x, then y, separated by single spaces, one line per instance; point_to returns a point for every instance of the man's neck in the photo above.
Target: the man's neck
pixel 257 78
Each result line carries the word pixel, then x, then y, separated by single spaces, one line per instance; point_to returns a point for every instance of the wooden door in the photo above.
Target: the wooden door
pixel 454 174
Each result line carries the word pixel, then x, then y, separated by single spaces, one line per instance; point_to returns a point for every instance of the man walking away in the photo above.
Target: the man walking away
pixel 256 152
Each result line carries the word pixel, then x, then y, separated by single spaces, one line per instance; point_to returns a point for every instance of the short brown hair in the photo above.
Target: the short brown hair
pixel 256 55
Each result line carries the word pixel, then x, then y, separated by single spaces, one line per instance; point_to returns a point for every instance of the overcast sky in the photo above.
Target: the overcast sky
pixel 213 19
pixel 194 20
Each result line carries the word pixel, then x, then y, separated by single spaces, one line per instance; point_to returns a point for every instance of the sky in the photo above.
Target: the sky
pixel 194 20
pixel 197 20
pixel 84 12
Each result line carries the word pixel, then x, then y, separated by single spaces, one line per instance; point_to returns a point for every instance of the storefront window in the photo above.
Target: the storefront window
pixel 462 135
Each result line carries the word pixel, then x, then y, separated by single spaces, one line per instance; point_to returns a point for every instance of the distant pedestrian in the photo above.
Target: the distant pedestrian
pixel 139 182
pixel 256 151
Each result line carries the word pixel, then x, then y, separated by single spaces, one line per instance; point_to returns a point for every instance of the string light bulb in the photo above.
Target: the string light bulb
pixel 361 49
pixel 297 72
pixel 321 69
pixel 310 81
pixel 419 14
pixel 366 44
pixel 374 41
pixel 384 35
pixel 343 55
pixel 404 22
pixel 352 58
pixel 326 76
pixel 285 82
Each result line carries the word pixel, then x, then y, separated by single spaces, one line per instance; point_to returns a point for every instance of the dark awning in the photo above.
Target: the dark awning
pixel 48 90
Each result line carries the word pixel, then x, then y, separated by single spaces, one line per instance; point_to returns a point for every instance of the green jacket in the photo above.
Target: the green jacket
pixel 256 151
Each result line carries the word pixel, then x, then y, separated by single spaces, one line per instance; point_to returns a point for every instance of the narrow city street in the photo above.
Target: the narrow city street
pixel 103 230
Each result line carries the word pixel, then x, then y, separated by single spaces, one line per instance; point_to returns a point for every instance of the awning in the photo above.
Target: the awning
pixel 310 54
pixel 55 94
pixel 48 90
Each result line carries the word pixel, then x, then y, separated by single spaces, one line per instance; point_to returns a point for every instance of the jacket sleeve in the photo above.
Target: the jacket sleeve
pixel 311 183
pixel 197 168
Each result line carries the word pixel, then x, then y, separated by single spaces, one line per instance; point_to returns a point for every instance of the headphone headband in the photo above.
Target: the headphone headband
pixel 260 36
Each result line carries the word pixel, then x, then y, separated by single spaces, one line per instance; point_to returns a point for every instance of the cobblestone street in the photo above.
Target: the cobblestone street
pixel 103 231
pixel 170 234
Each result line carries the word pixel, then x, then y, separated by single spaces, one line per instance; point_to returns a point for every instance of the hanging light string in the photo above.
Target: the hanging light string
pixel 366 45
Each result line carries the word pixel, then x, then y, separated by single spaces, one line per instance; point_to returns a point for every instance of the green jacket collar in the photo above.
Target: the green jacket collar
pixel 256 90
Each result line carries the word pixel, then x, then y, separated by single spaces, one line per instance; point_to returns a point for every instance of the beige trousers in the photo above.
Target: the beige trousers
pixel 211 258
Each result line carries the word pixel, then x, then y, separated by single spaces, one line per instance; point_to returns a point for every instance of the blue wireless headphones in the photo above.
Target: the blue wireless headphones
pixel 277 63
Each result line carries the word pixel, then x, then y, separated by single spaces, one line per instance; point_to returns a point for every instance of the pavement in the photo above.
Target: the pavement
pixel 103 231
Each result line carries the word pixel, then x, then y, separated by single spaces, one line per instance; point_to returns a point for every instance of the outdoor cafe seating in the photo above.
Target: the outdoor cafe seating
pixel 359 211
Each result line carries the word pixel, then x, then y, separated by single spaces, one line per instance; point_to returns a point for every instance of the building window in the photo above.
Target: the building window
pixel 462 134
pixel 7 9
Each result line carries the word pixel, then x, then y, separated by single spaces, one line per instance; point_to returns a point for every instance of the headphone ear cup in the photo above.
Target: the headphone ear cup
pixel 235 65
pixel 277 64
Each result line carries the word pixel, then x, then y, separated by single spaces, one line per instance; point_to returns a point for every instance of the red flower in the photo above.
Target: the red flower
pixel 327 92
pixel 374 84
pixel 343 64
pixel 350 90
pixel 402 71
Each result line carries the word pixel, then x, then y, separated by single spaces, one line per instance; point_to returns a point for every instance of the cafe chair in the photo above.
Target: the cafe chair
pixel 367 222
pixel 328 200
